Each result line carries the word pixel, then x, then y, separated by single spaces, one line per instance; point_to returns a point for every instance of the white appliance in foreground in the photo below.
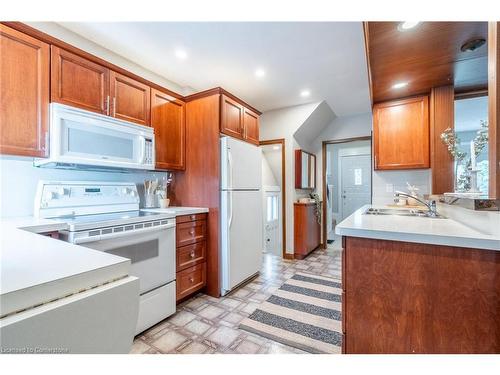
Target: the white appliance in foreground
pixel 241 212
pixel 80 138
pixel 105 216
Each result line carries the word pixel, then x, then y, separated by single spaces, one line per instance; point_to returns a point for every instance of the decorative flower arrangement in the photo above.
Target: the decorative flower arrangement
pixel 452 142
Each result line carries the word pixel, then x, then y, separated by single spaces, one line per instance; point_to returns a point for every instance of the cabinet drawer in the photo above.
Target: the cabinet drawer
pixel 190 255
pixel 188 233
pixel 190 280
pixel 193 217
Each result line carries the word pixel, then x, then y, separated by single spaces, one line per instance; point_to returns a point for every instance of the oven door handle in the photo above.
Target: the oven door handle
pixel 109 236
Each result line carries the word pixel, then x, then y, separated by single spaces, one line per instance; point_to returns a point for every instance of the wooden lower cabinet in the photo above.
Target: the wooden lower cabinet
pixel 404 297
pixel 191 280
pixel 191 260
pixel 307 230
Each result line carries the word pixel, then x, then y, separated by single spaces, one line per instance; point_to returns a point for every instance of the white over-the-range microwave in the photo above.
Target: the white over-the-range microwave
pixel 87 140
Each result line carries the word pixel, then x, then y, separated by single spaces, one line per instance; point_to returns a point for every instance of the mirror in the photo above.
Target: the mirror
pixel 305 170
pixel 471 132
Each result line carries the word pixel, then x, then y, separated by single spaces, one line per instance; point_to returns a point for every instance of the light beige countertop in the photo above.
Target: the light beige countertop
pixel 445 231
pixel 178 211
pixel 35 268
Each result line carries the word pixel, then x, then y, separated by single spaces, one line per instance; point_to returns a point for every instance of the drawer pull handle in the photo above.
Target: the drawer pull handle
pixel 191 279
pixel 191 232
pixel 193 217
pixel 191 254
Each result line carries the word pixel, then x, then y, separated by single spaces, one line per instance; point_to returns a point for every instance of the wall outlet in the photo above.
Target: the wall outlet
pixel 389 188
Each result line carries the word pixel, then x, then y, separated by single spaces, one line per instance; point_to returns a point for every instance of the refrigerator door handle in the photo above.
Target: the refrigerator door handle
pixel 230 168
pixel 230 208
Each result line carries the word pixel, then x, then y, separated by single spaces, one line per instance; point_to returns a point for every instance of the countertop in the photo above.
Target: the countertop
pixel 36 269
pixel 446 232
pixel 178 211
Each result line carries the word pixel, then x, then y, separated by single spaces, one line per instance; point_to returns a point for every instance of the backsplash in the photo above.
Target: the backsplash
pixel 19 179
pixel 386 182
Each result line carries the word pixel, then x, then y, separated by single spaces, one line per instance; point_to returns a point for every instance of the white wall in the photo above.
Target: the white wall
pixel 19 179
pixel 268 177
pixel 283 123
pixel 135 67
pixel 358 126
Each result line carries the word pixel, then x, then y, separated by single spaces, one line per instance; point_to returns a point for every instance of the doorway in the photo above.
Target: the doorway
pixel 273 193
pixel 347 182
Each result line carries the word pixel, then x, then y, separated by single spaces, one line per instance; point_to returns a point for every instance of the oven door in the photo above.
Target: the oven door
pixel 152 255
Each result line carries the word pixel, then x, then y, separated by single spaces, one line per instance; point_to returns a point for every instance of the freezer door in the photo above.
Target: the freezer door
pixel 241 236
pixel 241 165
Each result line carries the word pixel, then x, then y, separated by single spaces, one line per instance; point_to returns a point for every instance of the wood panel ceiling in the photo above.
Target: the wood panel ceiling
pixel 427 56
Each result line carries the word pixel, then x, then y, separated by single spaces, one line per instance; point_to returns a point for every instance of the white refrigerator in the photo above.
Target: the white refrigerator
pixel 241 212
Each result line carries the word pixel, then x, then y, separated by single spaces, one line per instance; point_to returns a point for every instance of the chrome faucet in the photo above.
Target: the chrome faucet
pixel 431 204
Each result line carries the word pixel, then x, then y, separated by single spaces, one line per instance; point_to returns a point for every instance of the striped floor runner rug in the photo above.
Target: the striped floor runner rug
pixel 305 313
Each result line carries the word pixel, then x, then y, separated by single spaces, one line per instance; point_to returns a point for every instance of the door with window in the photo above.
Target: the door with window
pixel 272 242
pixel 355 183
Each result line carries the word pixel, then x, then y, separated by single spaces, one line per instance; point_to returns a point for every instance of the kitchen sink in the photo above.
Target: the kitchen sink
pixel 401 212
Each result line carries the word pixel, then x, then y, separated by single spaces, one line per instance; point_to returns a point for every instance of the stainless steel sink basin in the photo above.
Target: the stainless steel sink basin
pixel 401 212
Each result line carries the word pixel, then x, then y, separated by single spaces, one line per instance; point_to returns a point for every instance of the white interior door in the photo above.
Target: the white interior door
pixel 355 182
pixel 272 211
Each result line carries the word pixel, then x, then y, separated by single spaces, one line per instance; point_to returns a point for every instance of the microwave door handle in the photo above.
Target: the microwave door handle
pixel 143 150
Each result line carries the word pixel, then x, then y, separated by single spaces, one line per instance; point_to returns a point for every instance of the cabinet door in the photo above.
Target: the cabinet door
pixel 24 90
pixel 401 134
pixel 232 117
pixel 130 99
pixel 169 122
pixel 79 82
pixel 251 126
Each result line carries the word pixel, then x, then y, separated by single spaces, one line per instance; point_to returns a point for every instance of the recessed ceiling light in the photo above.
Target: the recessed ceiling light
pixel 399 85
pixel 259 73
pixel 305 93
pixel 407 25
pixel 181 54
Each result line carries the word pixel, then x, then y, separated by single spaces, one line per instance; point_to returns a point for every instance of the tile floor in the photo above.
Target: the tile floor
pixel 204 324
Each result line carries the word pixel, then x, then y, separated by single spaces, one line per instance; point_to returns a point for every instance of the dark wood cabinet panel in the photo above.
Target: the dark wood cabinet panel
pixel 251 126
pixel 191 280
pixel 79 82
pixel 191 254
pixel 415 298
pixel 401 134
pixel 231 117
pixel 168 118
pixel 307 230
pixel 192 217
pixel 190 232
pixel 24 77
pixel 131 99
pixel 188 256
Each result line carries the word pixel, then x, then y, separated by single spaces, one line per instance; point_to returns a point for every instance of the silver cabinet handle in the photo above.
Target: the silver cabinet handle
pixel 192 254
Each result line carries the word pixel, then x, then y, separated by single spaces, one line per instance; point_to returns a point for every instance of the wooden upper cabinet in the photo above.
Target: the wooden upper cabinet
pixel 168 118
pixel 251 126
pixel 401 134
pixel 130 99
pixel 24 90
pixel 232 117
pixel 79 82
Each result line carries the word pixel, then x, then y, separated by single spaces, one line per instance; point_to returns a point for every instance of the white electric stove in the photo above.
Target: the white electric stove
pixel 105 216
